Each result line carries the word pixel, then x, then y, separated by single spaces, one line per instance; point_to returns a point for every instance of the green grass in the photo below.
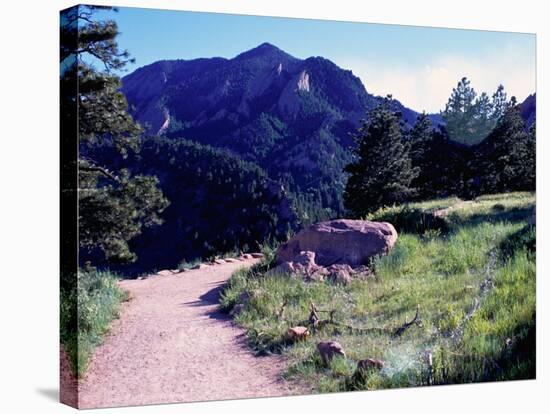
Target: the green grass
pixel 86 313
pixel 472 278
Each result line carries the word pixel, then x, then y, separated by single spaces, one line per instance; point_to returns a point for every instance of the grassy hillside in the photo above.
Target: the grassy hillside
pixel 469 269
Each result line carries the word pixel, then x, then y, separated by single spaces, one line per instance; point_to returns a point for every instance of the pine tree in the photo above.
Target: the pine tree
pixel 421 139
pixel 459 112
pixel 506 159
pixel 483 122
pixel 500 104
pixel 381 173
pixel 420 136
pixel 530 164
pixel 113 205
pixel 470 118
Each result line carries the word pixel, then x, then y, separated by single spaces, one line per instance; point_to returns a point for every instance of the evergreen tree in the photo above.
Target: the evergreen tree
pixel 470 118
pixel 113 205
pixel 420 136
pixel 530 165
pixel 500 104
pixel 448 170
pixel 483 121
pixel 381 173
pixel 459 112
pixel 506 159
pixel 421 140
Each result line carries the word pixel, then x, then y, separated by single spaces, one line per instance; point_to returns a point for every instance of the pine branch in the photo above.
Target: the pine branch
pixel 104 171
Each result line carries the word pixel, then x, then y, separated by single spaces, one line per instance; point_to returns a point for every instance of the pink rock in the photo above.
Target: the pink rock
pixel 285 267
pixel 351 242
pixel 328 349
pixel 297 332
pixel 340 273
pixel 320 274
pixel 370 363
pixel 305 263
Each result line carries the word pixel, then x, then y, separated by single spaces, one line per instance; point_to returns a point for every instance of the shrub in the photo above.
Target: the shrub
pixel 410 219
pixel 87 309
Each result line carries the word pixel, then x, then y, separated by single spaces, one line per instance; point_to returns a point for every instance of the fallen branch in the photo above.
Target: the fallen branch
pixel 317 323
pixel 399 331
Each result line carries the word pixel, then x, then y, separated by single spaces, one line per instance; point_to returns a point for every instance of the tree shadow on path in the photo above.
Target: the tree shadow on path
pixel 211 298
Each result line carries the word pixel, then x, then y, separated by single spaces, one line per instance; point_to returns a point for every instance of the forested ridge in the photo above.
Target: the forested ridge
pixel 219 203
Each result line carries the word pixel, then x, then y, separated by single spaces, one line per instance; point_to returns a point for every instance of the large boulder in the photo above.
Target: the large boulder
pixel 351 242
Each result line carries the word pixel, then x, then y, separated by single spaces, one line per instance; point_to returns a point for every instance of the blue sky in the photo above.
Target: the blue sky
pixel 418 65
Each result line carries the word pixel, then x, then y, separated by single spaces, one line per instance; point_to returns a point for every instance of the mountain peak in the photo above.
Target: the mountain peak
pixel 265 49
pixel 266 46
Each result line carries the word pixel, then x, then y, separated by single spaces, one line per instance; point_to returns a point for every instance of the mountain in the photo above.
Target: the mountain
pixel 293 117
pixel 529 109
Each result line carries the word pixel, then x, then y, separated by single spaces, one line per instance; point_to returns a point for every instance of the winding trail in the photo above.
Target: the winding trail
pixel 172 344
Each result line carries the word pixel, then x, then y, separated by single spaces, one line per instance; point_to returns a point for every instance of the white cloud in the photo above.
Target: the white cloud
pixel 428 86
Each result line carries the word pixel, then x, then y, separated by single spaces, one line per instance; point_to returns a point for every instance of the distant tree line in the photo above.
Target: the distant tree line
pixel 484 147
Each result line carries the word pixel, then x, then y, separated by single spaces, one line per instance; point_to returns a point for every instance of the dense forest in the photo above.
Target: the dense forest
pixel 218 203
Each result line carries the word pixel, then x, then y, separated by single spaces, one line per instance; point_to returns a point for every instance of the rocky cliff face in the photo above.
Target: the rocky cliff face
pixel 235 91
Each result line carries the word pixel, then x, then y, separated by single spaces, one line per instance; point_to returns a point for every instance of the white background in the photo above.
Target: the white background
pixel 29 224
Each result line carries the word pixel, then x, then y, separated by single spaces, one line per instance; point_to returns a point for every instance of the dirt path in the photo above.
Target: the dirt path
pixel 171 344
